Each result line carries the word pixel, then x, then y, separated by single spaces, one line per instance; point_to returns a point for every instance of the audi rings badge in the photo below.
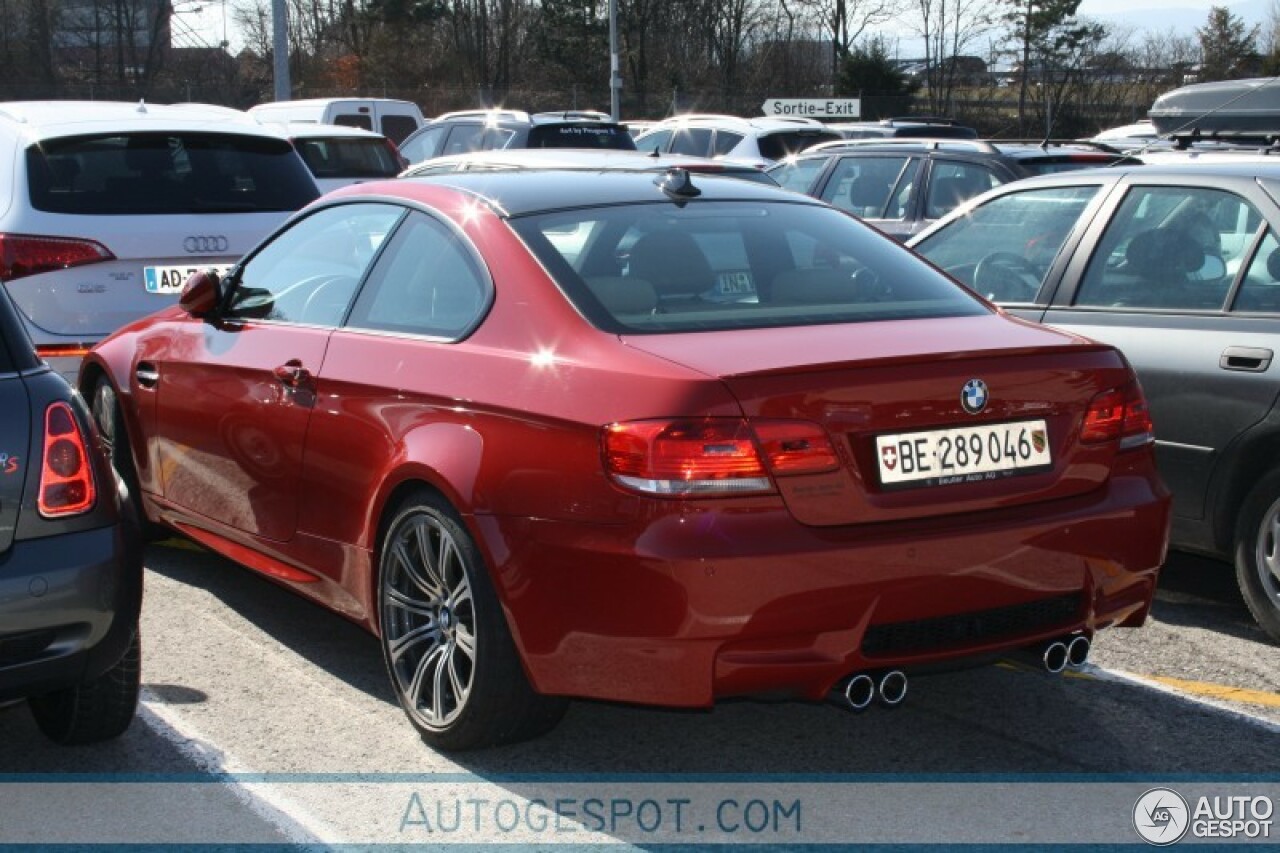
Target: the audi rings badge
pixel 198 244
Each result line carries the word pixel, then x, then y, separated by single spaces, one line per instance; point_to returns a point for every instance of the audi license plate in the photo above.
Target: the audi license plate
pixel 973 454
pixel 171 279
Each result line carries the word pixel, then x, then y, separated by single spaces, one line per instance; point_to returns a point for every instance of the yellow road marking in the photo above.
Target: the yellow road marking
pixel 1219 691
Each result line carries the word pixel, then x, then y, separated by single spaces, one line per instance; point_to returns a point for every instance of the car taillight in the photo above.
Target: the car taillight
pixel 795 447
pixel 27 254
pixel 712 456
pixel 66 476
pixel 1120 413
pixel 396 155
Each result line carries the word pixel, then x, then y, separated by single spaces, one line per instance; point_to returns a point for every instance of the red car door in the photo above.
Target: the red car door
pixel 235 393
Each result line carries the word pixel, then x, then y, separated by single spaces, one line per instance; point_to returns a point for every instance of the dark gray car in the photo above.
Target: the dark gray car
pixel 1179 267
pixel 70 555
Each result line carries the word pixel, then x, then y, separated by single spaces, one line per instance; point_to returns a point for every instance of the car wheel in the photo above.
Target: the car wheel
pixel 448 650
pixel 96 710
pixel 110 421
pixel 1258 554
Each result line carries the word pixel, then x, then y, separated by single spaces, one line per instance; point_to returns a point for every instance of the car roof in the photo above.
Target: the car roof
pixel 520 192
pixel 47 119
pixel 1016 149
pixel 498 116
pixel 1250 170
pixel 311 130
pixel 759 123
pixel 577 158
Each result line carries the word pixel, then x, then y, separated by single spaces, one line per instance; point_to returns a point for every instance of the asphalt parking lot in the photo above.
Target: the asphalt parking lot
pixel 244 681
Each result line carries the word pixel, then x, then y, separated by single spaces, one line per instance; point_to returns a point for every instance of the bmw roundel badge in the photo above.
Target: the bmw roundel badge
pixel 973 396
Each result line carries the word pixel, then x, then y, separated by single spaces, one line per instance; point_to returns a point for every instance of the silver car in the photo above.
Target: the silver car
pixel 1179 267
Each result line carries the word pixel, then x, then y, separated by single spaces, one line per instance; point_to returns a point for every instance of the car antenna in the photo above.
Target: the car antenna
pixel 677 183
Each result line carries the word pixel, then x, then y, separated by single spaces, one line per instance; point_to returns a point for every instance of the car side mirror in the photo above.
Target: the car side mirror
pixel 201 294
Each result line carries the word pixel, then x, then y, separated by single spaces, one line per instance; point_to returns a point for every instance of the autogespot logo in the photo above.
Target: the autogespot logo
pixel 1161 816
pixel 198 243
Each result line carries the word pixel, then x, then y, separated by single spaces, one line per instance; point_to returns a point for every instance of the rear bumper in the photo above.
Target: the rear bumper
pixel 694 604
pixel 69 605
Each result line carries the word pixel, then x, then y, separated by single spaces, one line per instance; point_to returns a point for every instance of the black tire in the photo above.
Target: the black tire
pixel 1258 553
pixel 96 710
pixel 440 621
pixel 115 439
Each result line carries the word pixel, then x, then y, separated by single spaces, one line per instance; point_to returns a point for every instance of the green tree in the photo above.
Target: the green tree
pixel 1045 31
pixel 869 70
pixel 1228 49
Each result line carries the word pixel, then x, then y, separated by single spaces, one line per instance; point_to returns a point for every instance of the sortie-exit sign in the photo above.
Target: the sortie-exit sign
pixel 813 107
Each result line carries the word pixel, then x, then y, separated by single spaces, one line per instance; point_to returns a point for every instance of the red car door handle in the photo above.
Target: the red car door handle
pixel 292 374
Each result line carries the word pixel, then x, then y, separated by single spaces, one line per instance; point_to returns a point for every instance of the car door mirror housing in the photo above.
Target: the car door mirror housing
pixel 201 294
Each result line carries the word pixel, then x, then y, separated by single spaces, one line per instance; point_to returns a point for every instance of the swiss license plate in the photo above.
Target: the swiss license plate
pixel 171 279
pixel 973 454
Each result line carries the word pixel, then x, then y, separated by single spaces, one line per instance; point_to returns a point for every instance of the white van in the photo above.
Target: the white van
pixel 393 119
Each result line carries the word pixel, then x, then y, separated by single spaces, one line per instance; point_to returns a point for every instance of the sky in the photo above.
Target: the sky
pixel 208 22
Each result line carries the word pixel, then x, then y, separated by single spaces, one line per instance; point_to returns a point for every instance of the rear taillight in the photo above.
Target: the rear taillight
pixel 26 254
pixel 62 350
pixel 795 447
pixel 713 456
pixel 396 155
pixel 1120 413
pixel 66 476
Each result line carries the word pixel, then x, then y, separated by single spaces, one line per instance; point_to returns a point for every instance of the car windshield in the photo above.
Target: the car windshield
pixel 156 173
pixel 797 175
pixel 348 157
pixel 581 135
pixel 1003 249
pixel 714 265
pixel 775 146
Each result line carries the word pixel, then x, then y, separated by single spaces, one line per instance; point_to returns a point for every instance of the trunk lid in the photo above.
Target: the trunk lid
pixel 92 300
pixel 15 450
pixel 863 383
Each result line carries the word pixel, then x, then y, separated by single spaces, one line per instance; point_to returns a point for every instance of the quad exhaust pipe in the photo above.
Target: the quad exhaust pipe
pixel 859 690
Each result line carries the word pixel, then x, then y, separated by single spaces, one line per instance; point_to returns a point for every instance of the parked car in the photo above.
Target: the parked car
pixel 110 206
pixel 910 127
pixel 1137 137
pixel 583 159
pixel 758 141
pixel 542 467
pixel 338 155
pixel 394 119
pixel 1179 267
pixel 901 186
pixel 482 130
pixel 71 585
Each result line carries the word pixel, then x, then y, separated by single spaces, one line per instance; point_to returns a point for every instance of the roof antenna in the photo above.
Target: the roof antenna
pixel 676 183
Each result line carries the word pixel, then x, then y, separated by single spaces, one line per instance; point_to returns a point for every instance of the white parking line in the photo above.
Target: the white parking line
pixel 1120 676
pixel 292 822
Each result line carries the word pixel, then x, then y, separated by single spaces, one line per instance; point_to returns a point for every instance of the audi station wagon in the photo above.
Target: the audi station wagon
pixel 110 206
pixel 654 439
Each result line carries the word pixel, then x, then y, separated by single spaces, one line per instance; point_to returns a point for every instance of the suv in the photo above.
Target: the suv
pixel 71 588
pixel 109 207
pixel 759 141
pixel 903 128
pixel 902 185
pixel 1179 267
pixel 481 130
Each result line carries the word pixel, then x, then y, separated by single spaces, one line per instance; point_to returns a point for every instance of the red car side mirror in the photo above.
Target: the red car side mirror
pixel 201 294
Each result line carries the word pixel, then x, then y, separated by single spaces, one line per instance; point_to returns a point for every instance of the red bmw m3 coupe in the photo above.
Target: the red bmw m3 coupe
pixel 555 435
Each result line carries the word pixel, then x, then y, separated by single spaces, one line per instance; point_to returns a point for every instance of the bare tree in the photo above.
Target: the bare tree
pixel 846 20
pixel 948 28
